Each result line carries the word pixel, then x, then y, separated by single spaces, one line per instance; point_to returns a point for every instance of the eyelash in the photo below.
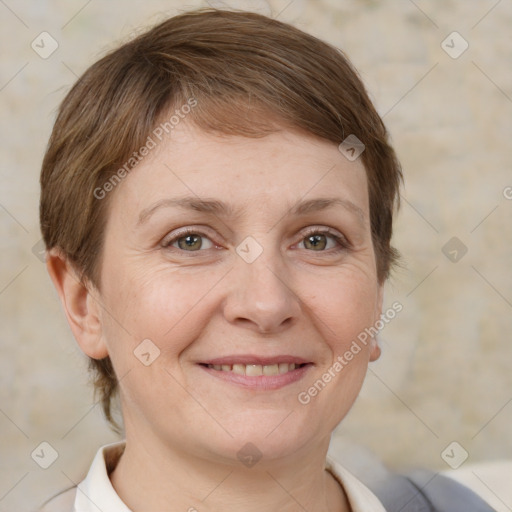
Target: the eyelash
pixel 343 243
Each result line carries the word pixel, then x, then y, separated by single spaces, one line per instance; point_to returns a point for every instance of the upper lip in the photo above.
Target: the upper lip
pixel 255 359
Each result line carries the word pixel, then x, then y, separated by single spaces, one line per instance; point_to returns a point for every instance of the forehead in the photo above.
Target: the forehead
pixel 283 167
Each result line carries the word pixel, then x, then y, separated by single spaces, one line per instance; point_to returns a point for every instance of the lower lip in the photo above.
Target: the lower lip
pixel 260 382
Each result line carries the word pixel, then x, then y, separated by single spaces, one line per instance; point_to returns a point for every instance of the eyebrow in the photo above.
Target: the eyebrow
pixel 221 209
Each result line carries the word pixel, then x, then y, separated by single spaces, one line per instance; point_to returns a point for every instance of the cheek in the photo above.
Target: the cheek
pixel 156 304
pixel 156 313
pixel 344 306
pixel 342 310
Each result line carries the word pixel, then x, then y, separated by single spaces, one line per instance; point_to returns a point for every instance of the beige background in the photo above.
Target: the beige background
pixel 444 374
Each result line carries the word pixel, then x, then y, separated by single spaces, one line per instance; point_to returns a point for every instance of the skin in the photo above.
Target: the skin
pixel 185 426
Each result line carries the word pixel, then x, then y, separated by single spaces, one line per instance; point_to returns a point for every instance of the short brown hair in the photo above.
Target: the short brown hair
pixel 249 75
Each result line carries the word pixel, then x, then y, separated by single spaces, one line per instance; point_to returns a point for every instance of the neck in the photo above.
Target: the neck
pixel 148 477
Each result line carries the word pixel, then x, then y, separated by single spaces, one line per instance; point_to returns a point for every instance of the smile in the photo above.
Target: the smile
pixel 257 373
pixel 255 370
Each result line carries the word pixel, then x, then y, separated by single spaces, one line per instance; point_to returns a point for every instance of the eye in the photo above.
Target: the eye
pixel 316 240
pixel 189 240
pixel 320 240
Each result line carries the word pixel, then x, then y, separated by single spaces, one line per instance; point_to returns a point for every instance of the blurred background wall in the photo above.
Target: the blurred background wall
pixel 440 74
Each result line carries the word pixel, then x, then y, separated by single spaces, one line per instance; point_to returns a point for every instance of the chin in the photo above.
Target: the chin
pixel 266 435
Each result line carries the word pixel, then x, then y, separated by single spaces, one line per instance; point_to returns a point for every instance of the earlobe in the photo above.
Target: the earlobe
pixel 375 350
pixel 80 306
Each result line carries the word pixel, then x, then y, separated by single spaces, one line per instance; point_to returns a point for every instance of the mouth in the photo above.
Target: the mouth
pixel 258 373
pixel 255 370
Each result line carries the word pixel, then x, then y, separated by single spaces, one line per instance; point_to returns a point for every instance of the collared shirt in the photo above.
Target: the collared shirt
pixel 96 493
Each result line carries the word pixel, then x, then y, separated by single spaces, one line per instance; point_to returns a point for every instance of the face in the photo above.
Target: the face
pixel 247 266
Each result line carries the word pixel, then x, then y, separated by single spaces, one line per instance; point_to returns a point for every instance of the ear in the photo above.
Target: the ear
pixel 374 347
pixel 80 306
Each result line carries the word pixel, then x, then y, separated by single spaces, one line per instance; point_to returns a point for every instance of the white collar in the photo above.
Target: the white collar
pixel 96 493
pixel 361 499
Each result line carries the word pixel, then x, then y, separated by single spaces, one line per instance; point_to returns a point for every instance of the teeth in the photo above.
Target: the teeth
pixel 239 369
pixel 271 369
pixel 255 370
pixel 285 367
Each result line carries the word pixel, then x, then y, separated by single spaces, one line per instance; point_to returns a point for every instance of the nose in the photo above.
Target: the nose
pixel 261 295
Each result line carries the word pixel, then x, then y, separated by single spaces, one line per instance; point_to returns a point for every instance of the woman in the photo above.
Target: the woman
pixel 217 204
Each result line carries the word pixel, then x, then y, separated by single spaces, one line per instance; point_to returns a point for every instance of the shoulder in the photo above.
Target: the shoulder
pixel 412 490
pixel 62 502
pixel 491 480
